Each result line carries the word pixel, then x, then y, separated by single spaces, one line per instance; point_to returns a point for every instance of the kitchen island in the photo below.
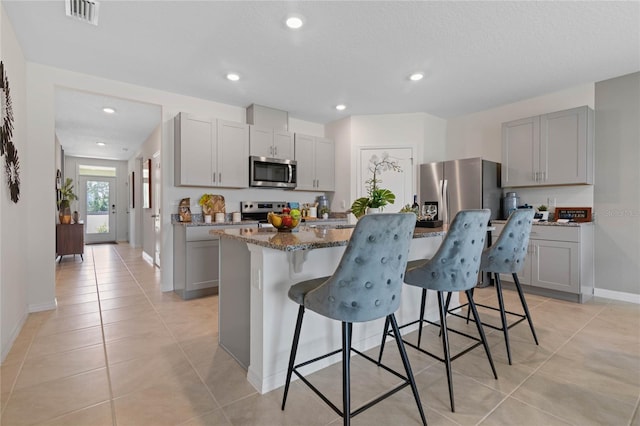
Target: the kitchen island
pixel 257 319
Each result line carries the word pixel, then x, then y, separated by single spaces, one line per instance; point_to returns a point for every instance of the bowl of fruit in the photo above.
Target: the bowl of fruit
pixel 286 221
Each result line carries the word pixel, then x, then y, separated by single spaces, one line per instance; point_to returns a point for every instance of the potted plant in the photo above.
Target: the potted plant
pixel 543 210
pixel 376 197
pixel 66 195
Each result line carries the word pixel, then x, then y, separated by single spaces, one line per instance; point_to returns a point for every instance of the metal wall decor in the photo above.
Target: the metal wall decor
pixel 7 148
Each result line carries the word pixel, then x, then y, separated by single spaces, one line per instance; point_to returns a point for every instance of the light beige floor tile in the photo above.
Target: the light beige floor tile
pixel 64 291
pixel 49 400
pixel 69 323
pixel 215 418
pixel 125 313
pixel 96 415
pixel 201 349
pixel 60 342
pixel 188 330
pixel 140 373
pixel 72 299
pixel 8 375
pixel 619 383
pixel 224 377
pixel 123 292
pixel 140 346
pixel 80 308
pixel 119 285
pixel 121 302
pixel 303 408
pixel 166 404
pixel 59 365
pixel 573 403
pixel 514 412
pixel 472 399
pixel 636 417
pixel 145 324
pixel 19 350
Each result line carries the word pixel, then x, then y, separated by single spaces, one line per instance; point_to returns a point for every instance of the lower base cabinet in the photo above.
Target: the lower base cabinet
pixel 195 261
pixel 559 262
pixel 69 239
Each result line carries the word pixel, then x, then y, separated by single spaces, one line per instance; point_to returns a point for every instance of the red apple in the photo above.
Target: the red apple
pixel 287 221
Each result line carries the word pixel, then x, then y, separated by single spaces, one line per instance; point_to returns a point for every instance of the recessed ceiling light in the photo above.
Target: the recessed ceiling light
pixel 233 77
pixel 416 76
pixel 294 22
pixel 341 107
pixel 100 143
pixel 109 110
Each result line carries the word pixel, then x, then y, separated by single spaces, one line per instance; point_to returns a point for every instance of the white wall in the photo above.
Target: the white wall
pixel 480 135
pixel 15 219
pixel 617 189
pixel 424 133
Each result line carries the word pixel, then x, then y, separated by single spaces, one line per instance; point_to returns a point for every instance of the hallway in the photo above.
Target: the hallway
pixel 118 351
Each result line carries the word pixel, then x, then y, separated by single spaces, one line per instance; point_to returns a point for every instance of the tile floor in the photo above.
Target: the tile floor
pixel 118 351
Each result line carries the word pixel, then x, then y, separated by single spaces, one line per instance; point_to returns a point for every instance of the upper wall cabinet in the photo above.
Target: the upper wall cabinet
pixel 210 152
pixel 550 149
pixel 316 163
pixel 265 142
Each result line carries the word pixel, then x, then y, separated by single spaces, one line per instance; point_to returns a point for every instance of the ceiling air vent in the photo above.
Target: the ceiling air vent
pixel 83 10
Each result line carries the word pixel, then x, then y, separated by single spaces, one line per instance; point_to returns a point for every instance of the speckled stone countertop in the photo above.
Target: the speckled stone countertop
pixel 497 222
pixel 304 237
pixel 215 224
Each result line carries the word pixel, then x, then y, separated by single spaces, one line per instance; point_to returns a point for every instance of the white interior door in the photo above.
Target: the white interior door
pixel 400 183
pixel 98 204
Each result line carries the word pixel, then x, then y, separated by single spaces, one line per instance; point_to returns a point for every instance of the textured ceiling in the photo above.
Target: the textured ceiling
pixel 476 55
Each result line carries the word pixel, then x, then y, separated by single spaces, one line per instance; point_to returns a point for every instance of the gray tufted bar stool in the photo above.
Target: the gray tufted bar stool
pixel 366 286
pixel 454 267
pixel 507 256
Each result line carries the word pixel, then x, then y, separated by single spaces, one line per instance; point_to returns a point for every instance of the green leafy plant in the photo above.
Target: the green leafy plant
pixel 376 197
pixel 543 208
pixel 66 193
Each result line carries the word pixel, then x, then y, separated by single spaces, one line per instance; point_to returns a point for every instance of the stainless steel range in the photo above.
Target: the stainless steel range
pixel 258 210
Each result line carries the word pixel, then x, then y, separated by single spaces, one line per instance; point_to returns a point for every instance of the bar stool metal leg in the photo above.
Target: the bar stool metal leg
pixel 346 373
pixel 503 316
pixel 292 357
pixel 385 332
pixel 407 367
pixel 422 308
pixel 483 337
pixel 516 280
pixel 445 345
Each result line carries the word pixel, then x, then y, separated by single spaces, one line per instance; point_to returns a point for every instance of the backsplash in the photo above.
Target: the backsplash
pixel 564 196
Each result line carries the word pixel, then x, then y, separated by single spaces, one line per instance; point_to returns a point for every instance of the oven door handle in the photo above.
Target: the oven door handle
pixel 290 173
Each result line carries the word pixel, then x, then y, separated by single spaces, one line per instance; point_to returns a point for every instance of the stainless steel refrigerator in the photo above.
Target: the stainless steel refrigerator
pixel 471 183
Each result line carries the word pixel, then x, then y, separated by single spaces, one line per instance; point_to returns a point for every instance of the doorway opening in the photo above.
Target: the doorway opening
pixel 97 199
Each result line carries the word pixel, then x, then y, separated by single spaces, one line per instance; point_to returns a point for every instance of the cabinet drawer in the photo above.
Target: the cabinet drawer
pixel 546 232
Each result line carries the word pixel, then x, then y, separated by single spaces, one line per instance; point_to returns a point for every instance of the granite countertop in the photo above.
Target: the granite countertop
pixel 304 237
pixel 214 224
pixel 497 222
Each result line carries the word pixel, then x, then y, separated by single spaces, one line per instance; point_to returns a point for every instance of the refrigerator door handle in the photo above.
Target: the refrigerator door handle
pixel 445 200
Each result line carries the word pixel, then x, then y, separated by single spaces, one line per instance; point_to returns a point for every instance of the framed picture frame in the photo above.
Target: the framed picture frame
pixel 146 184
pixel 573 214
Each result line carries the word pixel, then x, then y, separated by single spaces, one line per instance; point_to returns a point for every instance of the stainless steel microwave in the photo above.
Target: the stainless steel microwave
pixel 267 172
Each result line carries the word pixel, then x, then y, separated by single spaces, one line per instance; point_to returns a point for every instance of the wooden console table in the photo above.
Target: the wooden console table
pixel 70 240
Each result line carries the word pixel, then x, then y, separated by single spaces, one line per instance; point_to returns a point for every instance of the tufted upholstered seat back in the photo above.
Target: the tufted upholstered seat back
pixel 368 280
pixel 507 254
pixel 455 265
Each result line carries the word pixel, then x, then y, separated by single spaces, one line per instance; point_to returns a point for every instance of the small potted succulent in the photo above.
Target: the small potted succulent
pixel 544 212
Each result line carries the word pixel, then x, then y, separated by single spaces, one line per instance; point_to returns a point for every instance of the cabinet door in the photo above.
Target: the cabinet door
pixel 283 145
pixel 520 152
pixel 556 265
pixel 304 153
pixel 233 154
pixel 325 164
pixel 202 267
pixel 563 147
pixel 194 140
pixel 261 141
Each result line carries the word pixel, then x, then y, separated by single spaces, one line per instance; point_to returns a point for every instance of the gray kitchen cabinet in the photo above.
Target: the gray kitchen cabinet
pixel 550 149
pixel 210 152
pixel 559 261
pixel 195 261
pixel 270 143
pixel 316 163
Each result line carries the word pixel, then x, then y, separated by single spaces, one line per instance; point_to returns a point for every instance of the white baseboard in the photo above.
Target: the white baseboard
pixel 617 295
pixel 46 306
pixel 6 346
pixel 147 258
